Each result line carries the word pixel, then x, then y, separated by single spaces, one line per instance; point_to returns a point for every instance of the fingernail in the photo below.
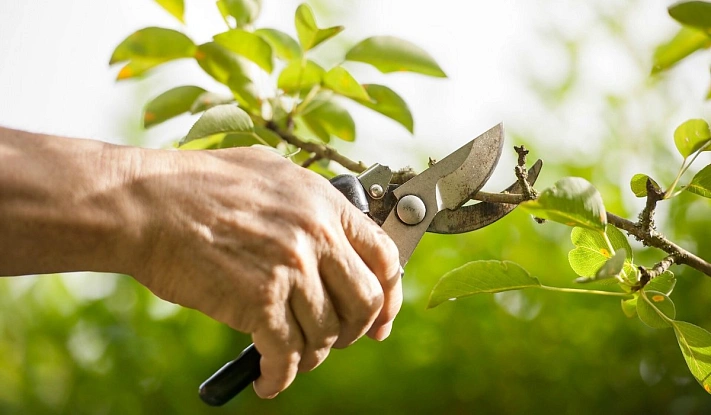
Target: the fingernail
pixel 272 396
pixel 402 271
pixel 384 332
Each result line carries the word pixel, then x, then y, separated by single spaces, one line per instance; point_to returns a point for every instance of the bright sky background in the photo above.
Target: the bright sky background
pixel 54 74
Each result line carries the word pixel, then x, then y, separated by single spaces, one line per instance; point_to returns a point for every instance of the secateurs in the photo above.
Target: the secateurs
pixel 432 201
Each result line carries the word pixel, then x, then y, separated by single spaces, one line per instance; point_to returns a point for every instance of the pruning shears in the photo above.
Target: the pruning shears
pixel 432 201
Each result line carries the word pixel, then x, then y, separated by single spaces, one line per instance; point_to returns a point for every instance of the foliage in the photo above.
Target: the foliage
pixel 575 202
pixel 103 344
pixel 303 104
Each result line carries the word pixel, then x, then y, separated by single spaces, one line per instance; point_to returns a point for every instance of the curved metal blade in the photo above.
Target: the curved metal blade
pixel 473 217
pixel 446 185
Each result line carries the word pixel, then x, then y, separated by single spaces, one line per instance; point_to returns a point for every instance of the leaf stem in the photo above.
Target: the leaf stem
pixel 671 188
pixel 581 291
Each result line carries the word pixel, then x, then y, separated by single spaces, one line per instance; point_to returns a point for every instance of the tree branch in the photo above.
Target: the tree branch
pixel 643 230
pixel 648 274
pixel 318 150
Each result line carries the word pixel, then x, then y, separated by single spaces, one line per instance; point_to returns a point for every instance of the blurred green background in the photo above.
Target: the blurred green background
pixel 580 98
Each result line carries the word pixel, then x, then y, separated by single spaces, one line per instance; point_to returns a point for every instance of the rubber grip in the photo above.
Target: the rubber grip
pixel 232 378
pixel 236 375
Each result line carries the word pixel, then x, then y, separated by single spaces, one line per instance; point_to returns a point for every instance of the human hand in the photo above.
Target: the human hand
pixel 268 248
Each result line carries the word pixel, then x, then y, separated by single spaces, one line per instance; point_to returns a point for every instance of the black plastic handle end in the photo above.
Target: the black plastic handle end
pixel 232 378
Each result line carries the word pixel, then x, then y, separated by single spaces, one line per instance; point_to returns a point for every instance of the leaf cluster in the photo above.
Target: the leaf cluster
pixel 304 99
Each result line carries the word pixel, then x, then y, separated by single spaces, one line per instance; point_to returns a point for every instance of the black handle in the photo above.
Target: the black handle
pixel 236 375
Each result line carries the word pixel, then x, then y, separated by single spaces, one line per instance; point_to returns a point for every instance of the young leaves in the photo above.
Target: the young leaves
pixel 284 46
pixel 309 33
pixel 687 41
pixel 150 47
pixel 481 277
pixel 692 13
pixel 390 54
pixel 572 201
pixel 340 81
pixel 387 102
pixel 249 45
pixel 691 136
pixel 638 184
pixel 243 11
pixel 701 183
pixel 300 76
pixel 663 283
pixel 695 345
pixel 169 104
pixel 655 309
pixel 220 120
pixel 326 118
pixel 219 62
pixel 591 251
pixel 174 7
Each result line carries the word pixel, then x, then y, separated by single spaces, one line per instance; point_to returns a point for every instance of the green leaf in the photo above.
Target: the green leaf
pixel 220 63
pixel 245 92
pixel 695 345
pixel 218 120
pixel 328 118
pixel 691 136
pixel 687 41
pixel 611 268
pixel 387 102
pixel 207 100
pixel 248 45
pixel 174 7
pixel 300 76
pixel 478 277
pixel 284 46
pixel 701 183
pixel 340 81
pixel 207 143
pixel 653 311
pixel 244 11
pixel 692 13
pixel 638 184
pixel 268 136
pixel 629 307
pixel 170 104
pixel 150 47
pixel 663 283
pixel 572 201
pixel 591 251
pixel 308 31
pixel 390 54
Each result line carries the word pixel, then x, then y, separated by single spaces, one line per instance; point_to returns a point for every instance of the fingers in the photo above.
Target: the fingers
pixel 355 292
pixel 318 321
pixel 280 344
pixel 380 254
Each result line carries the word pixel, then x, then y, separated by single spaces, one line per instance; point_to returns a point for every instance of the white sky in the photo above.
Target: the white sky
pixel 54 75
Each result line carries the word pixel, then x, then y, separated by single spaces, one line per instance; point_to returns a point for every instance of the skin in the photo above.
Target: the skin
pixel 242 235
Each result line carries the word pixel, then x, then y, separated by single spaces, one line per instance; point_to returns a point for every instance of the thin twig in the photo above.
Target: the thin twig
pixel 322 150
pixel 646 217
pixel 657 240
pixel 648 274
pixel 522 173
pixel 311 160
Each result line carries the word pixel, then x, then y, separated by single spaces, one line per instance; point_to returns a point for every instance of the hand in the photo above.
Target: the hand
pixel 268 248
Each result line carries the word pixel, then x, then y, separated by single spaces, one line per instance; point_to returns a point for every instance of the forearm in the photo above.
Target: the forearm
pixel 65 204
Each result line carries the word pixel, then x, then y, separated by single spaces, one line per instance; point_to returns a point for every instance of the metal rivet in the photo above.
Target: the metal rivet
pixel 376 191
pixel 411 209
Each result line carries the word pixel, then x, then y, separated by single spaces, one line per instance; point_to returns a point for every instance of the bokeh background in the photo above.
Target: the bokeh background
pixel 570 79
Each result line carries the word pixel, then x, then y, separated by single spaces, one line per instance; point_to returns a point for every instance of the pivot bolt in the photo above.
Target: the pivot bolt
pixel 376 191
pixel 411 209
